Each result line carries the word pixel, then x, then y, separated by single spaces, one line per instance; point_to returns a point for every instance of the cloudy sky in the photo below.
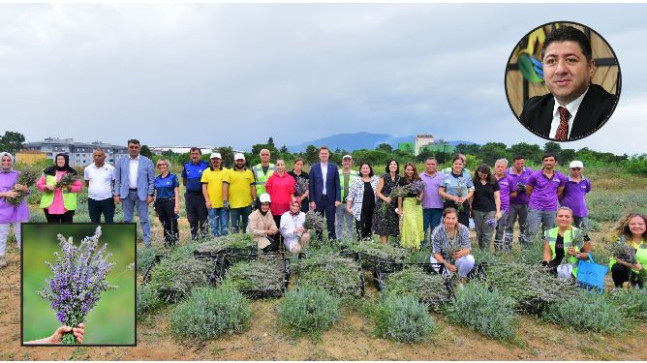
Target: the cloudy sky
pixel 210 74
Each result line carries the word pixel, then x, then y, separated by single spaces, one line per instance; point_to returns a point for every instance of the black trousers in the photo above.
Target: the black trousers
pixel 464 216
pixel 165 211
pixel 97 207
pixel 621 274
pixel 326 207
pixel 278 237
pixel 196 213
pixel 365 225
pixel 66 217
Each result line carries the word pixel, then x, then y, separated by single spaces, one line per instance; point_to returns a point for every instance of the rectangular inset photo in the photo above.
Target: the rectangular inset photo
pixel 78 284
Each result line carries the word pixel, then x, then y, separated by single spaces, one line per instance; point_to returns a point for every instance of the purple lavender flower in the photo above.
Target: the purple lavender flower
pixel 491 222
pixel 79 279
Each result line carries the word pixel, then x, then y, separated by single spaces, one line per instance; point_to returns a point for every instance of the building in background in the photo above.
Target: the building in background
pixel 80 153
pixel 425 142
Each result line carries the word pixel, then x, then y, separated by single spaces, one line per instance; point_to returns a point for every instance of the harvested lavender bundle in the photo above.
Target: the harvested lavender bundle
pixel 27 178
pixel 79 279
pixel 66 180
pixel 301 187
pixel 623 252
pixel 314 220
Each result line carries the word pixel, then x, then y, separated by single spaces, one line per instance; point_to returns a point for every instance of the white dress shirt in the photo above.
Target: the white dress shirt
pixel 324 174
pixel 132 172
pixel 572 109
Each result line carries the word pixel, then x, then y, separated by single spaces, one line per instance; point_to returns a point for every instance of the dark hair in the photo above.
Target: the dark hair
pixel 415 172
pixel 299 159
pixel 195 149
pixel 431 158
pixel 518 157
pixel 397 170
pixel 549 155
pixel 324 147
pixel 133 141
pixel 569 33
pixel 485 169
pixel 370 168
pixel 449 210
pixel 458 157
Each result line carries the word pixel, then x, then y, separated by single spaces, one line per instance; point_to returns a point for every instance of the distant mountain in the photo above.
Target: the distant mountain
pixel 360 140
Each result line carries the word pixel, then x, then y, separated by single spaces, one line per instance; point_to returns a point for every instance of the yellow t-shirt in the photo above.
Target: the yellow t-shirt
pixel 213 179
pixel 240 193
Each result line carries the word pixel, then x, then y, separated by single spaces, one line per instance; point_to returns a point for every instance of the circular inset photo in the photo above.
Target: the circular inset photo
pixel 563 81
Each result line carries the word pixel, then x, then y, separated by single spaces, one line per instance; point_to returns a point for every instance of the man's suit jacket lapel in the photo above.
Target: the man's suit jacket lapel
pixel 546 118
pixel 584 122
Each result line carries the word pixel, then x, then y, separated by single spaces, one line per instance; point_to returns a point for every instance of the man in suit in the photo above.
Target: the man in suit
pixel 134 186
pixel 325 193
pixel 575 107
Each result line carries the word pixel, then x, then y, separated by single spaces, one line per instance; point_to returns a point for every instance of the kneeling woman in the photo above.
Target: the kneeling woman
pixel 450 241
pixel 632 233
pixel 564 240
pixel 295 236
pixel 261 225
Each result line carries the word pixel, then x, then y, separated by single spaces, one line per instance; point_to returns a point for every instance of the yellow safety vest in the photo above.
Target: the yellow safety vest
pixel 569 241
pixel 261 178
pixel 69 199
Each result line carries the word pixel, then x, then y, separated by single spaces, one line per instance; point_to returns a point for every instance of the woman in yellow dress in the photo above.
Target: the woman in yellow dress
pixel 410 209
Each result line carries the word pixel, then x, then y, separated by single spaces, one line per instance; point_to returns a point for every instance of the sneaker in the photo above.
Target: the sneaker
pixel 3 261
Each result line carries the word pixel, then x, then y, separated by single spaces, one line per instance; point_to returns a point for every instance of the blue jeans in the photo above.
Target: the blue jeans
pixel 236 214
pixel 344 222
pixel 431 217
pixel 219 221
pixel 129 204
pixel 503 239
pixel 535 218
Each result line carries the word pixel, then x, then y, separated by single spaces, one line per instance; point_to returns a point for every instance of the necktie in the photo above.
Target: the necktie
pixel 562 129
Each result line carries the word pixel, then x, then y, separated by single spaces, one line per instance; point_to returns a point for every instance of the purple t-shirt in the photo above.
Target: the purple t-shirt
pixel 544 190
pixel 574 194
pixel 521 198
pixel 431 197
pixel 505 186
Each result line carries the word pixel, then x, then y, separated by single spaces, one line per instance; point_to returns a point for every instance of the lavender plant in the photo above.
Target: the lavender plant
pixel 79 279
pixel 27 178
pixel 300 187
pixel 314 220
pixel 66 180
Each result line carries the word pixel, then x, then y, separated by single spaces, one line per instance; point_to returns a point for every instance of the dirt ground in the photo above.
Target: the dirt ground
pixel 350 339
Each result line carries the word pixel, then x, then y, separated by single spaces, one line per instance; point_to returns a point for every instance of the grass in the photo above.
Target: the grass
pixel 209 313
pixel 310 310
pixel 403 319
pixel 490 313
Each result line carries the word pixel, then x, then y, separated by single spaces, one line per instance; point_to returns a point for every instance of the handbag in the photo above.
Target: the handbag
pixel 591 275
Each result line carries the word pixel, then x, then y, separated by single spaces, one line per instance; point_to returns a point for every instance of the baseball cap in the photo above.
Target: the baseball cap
pixel 576 164
pixel 215 155
pixel 347 157
pixel 265 198
pixel 239 156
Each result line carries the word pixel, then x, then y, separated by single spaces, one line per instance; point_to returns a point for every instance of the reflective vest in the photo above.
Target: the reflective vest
pixel 570 239
pixel 69 199
pixel 261 178
pixel 353 175
pixel 641 252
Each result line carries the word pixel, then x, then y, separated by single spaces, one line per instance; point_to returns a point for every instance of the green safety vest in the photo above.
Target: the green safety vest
pixel 576 233
pixel 641 254
pixel 261 178
pixel 353 175
pixel 69 199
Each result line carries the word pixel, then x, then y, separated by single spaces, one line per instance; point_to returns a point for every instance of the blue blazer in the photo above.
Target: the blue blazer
pixel 145 177
pixel 316 183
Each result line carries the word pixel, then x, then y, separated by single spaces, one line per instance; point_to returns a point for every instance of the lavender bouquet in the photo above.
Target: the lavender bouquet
pixel 461 192
pixel 66 180
pixel 79 279
pixel 301 187
pixel 27 178
pixel 401 191
pixel 314 220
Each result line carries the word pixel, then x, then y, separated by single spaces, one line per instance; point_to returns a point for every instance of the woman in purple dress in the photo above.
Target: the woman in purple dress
pixel 10 215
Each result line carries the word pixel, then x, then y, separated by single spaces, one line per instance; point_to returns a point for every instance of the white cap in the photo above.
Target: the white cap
pixel 265 198
pixel 239 156
pixel 215 155
pixel 576 164
pixel 346 157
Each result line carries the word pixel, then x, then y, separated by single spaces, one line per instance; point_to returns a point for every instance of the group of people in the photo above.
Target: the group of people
pixel 433 207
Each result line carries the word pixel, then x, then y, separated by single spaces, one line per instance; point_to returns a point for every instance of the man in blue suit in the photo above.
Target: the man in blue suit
pixel 135 186
pixel 325 193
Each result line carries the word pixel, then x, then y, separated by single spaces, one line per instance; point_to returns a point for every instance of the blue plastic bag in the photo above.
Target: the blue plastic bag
pixel 591 275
